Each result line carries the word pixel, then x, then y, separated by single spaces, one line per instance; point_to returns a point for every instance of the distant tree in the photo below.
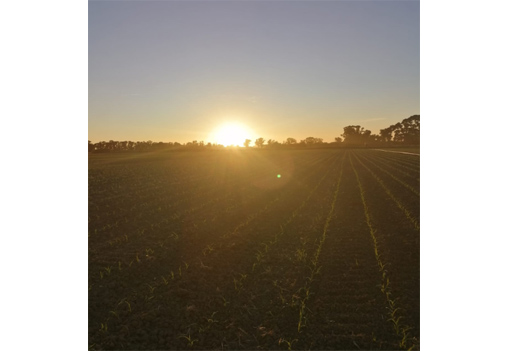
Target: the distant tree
pixel 111 145
pixel 338 140
pixel 247 143
pixel 291 141
pixel 91 146
pixel 405 132
pixel 356 135
pixel 273 143
pixel 101 146
pixel 259 142
pixel 312 141
pixel 411 130
pixel 398 135
pixel 386 134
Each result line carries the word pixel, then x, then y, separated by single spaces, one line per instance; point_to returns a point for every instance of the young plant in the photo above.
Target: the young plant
pixel 287 343
pixel 189 339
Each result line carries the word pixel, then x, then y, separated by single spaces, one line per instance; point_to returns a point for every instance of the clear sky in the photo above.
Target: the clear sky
pixel 175 70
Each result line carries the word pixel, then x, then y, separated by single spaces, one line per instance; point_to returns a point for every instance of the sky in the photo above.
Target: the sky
pixel 175 71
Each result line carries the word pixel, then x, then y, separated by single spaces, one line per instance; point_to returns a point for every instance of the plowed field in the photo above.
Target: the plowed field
pixel 254 249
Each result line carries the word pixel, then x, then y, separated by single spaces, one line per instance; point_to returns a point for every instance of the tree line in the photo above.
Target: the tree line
pixel 405 133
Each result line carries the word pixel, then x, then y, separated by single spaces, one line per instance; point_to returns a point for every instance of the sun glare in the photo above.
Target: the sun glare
pixel 231 134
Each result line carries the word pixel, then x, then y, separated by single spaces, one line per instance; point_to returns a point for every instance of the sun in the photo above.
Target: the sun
pixel 231 134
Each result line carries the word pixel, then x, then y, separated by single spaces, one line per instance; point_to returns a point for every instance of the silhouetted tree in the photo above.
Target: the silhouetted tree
pixel 387 134
pixel 338 140
pixel 259 142
pixel 398 136
pixel 311 141
pixel 273 143
pixel 356 135
pixel 411 130
pixel 247 143
pixel 291 141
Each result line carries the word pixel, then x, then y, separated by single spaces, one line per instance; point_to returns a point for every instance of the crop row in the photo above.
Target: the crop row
pixel 172 275
pixel 328 260
pixel 217 212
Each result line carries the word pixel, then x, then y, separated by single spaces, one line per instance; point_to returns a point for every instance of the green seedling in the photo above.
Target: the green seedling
pixel 282 299
pixel 301 255
pixel 164 280
pixel 207 250
pixel 395 322
pixel 302 318
pixel 403 342
pixel 237 284
pixel 211 320
pixel 287 343
pixel 189 339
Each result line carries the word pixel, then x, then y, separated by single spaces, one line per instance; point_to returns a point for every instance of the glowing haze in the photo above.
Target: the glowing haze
pixel 200 70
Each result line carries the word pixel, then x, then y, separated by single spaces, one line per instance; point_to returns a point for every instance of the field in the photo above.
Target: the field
pixel 254 249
